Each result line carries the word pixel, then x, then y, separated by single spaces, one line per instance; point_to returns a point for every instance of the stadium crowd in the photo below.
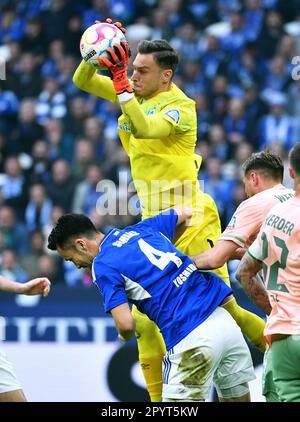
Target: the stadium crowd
pixel 57 143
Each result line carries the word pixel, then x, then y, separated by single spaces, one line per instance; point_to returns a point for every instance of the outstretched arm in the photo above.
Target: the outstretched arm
pixel 247 275
pixel 37 286
pixel 86 79
pixel 216 256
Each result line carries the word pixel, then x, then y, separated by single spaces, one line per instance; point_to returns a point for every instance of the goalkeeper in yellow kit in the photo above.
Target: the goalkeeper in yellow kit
pixel 158 131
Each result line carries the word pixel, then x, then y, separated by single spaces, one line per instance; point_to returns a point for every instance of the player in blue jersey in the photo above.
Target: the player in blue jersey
pixel 140 265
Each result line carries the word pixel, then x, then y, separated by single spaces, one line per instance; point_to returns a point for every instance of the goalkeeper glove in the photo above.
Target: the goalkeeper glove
pixel 118 66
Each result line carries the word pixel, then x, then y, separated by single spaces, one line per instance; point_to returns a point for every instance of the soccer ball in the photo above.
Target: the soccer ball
pixel 96 39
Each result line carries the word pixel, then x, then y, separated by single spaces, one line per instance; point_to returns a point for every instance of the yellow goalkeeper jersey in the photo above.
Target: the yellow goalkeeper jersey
pixel 159 136
pixel 164 169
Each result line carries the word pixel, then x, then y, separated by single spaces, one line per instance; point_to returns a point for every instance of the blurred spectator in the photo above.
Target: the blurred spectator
pixel 219 98
pixel 219 145
pixel 61 187
pixel 11 25
pixel 33 38
pixel 55 55
pixel 270 34
pixel 253 16
pixel 40 169
pixel 84 155
pixel 159 24
pixel 25 80
pixel 216 185
pixel 51 102
pixel 93 131
pixel 234 43
pixel 14 233
pixel 38 210
pixel 278 78
pixel 213 59
pixel 9 106
pixel 55 19
pixel 204 116
pixel 277 126
pixel 294 106
pixel 14 189
pixel 10 268
pixel 28 130
pixel 79 111
pixel 74 33
pixel 86 194
pixel 36 249
pixel 51 268
pixel 187 42
pixel 236 124
pixel 59 141
pixel 100 10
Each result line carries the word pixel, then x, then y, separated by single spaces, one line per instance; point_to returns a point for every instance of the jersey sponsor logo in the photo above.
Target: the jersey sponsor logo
pixel 232 222
pixel 125 238
pixel 173 114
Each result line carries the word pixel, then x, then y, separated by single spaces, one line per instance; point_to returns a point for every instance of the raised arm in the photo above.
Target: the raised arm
pixel 86 79
pixel 37 286
pixel 247 275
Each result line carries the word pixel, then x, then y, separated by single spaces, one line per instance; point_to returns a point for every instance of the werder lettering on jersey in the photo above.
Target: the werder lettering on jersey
pixel 182 277
pixel 124 238
pixel 280 223
pixel 285 197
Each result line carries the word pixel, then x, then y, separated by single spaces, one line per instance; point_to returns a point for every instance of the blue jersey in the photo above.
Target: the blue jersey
pixel 139 264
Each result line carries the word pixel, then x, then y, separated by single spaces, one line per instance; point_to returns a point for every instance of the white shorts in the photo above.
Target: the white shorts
pixel 213 351
pixel 8 379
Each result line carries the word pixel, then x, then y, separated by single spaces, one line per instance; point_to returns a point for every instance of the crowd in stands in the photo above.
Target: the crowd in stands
pixel 57 143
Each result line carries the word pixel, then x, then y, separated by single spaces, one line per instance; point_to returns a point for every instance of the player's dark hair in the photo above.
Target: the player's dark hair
pixel 164 54
pixel 68 226
pixel 267 163
pixel 294 157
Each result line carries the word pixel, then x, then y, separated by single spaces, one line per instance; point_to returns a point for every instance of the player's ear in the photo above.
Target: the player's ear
pixel 167 75
pixel 292 173
pixel 80 245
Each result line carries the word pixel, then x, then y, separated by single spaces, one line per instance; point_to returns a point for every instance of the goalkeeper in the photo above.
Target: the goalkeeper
pixel 158 130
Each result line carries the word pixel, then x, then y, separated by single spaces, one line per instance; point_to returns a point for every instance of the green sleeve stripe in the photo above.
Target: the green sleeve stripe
pixel 229 237
pixel 253 257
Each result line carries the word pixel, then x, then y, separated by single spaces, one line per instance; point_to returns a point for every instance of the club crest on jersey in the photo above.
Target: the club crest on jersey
pixel 232 222
pixel 173 114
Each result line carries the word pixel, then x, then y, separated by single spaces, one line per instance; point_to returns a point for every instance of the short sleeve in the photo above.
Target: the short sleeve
pixel 244 224
pixel 111 286
pixel 164 222
pixel 255 250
